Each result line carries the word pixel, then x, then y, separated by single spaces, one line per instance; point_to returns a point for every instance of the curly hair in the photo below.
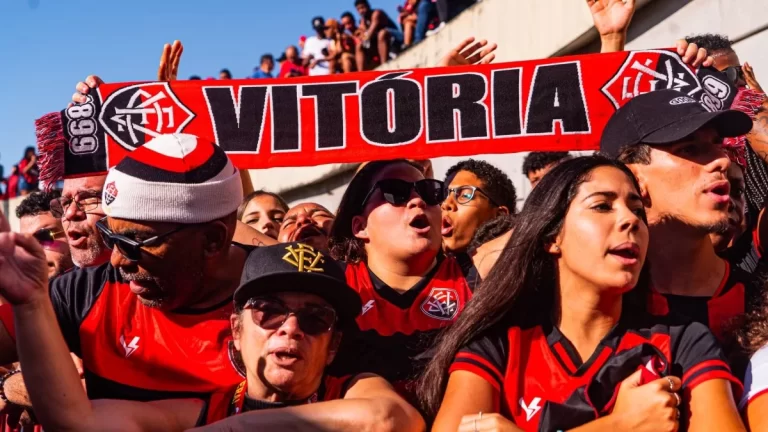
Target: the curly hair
pixel 496 183
pixel 711 42
pixel 492 229
pixel 36 203
pixel 539 160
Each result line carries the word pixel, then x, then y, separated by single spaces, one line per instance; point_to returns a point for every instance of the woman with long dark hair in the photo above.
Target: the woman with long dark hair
pixel 557 336
pixel 28 172
pixel 387 231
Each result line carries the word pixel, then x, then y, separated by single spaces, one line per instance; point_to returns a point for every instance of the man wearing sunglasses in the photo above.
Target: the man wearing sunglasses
pixel 477 192
pixel 150 323
pixel 35 218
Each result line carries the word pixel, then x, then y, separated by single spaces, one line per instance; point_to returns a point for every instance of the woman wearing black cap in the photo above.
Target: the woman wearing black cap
pixel 289 315
pixel 558 337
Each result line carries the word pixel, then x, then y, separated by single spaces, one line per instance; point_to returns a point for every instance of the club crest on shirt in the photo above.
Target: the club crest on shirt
pixel 441 303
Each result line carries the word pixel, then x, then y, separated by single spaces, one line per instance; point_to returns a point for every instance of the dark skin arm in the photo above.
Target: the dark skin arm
pixel 375 25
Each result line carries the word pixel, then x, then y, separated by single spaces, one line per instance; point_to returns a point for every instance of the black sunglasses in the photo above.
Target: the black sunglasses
pixel 271 314
pixel 734 74
pixel 465 194
pixel 46 236
pixel 397 192
pixel 129 248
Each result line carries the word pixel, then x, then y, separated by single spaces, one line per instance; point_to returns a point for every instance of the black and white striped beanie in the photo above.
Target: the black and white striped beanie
pixel 177 178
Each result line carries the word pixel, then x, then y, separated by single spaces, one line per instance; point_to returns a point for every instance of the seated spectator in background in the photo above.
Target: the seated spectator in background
pixel 342 47
pixel 266 65
pixel 288 321
pixel 12 183
pixel 349 26
pixel 225 74
pixel 408 19
pixel 426 20
pixel 292 66
pixel 316 52
pixel 28 172
pixel 195 77
pixel 558 333
pixel 476 193
pixel 280 61
pixel 379 37
pixel 536 164
pixel 308 223
pixel 264 211
pixel 35 218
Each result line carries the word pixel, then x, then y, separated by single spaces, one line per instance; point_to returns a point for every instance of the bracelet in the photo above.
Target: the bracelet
pixel 2 384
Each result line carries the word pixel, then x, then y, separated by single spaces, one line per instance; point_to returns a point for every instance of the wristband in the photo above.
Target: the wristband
pixel 2 384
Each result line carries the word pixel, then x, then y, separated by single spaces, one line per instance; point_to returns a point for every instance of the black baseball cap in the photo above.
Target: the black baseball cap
pixel 297 267
pixel 663 117
pixel 318 23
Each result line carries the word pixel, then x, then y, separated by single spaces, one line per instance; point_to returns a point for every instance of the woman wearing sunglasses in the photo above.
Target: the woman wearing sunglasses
pixel 387 231
pixel 290 313
pixel 558 338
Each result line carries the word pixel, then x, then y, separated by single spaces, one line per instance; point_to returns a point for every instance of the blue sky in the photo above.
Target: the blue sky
pixel 47 46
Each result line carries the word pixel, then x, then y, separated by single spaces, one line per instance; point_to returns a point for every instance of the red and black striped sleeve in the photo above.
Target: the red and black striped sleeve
pixel 697 353
pixel 486 357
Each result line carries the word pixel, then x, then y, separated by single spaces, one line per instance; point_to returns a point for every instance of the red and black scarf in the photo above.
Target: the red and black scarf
pixel 552 104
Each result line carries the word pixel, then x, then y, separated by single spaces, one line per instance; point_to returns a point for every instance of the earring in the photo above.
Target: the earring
pixel 557 248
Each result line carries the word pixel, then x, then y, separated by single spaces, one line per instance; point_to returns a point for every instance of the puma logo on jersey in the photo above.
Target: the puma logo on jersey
pixel 368 306
pixel 131 347
pixel 531 409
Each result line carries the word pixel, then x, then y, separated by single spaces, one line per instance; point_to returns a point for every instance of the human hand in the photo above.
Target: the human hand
pixel 692 55
pixel 169 62
pixel 611 17
pixel 83 88
pixel 466 53
pixel 492 422
pixel 749 77
pixel 23 268
pixel 647 407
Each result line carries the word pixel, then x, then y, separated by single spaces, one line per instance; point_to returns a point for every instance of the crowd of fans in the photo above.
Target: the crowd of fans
pixel 350 44
pixel 627 294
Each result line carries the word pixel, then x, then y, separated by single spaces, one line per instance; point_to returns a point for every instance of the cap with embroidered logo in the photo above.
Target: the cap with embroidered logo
pixel 297 267
pixel 663 117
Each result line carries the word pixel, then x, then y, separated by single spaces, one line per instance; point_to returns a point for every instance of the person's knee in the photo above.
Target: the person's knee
pixel 384 35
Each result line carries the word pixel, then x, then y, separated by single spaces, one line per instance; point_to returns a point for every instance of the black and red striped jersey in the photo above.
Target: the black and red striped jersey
pixel 134 352
pixel 233 401
pixel 543 385
pixel 397 329
pixel 737 294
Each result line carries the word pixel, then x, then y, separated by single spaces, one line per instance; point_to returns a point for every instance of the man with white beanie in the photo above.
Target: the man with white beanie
pixel 153 323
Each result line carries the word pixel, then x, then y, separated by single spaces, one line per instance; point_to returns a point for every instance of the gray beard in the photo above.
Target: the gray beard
pixel 89 256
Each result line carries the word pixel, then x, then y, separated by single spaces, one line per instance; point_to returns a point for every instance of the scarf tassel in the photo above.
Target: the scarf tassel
pixel 51 145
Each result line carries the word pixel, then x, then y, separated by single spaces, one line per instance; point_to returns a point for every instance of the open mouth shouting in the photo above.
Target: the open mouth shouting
pixel 627 253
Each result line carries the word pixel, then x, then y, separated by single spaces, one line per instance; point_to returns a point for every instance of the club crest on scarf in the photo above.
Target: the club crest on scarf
pixel 442 304
pixel 646 71
pixel 110 193
pixel 136 114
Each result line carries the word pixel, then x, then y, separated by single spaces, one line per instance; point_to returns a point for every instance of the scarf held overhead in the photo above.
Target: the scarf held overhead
pixel 554 104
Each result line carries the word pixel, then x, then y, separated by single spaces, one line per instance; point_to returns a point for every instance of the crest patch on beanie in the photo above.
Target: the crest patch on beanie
pixel 110 193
